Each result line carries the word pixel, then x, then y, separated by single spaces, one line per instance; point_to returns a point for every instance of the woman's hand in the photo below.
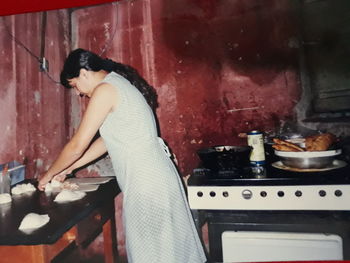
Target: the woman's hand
pixel 62 175
pixel 43 180
pixel 58 177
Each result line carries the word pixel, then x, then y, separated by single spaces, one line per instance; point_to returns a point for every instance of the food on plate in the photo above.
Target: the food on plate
pixel 320 142
pixel 281 145
pixel 285 148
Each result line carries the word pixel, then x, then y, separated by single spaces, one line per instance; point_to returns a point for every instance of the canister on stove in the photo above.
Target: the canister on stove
pixel 256 141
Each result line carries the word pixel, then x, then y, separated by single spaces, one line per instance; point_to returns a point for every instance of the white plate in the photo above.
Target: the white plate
pixel 335 165
pixel 308 154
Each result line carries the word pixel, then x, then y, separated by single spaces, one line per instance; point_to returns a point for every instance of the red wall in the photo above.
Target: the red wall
pixel 219 67
pixel 32 107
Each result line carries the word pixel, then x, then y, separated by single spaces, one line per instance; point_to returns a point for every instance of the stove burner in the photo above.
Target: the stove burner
pixel 233 172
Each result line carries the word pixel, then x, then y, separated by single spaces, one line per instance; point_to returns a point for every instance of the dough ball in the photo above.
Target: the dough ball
pixel 23 188
pixel 5 198
pixel 68 195
pixel 33 221
pixel 48 187
pixel 55 183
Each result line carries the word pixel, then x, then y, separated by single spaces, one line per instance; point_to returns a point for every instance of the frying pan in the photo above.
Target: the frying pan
pixel 224 157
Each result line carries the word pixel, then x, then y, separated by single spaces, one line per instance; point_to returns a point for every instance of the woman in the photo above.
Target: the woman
pixel 157 220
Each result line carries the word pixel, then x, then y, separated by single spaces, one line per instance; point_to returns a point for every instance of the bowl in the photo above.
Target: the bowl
pixel 308 160
pixel 224 157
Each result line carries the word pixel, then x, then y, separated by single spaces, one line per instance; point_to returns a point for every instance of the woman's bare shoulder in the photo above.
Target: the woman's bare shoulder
pixel 106 93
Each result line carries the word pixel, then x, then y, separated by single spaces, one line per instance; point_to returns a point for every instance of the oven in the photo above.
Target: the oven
pixel 276 216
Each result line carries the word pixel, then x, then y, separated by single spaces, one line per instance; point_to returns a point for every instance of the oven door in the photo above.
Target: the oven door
pixel 242 236
pixel 254 246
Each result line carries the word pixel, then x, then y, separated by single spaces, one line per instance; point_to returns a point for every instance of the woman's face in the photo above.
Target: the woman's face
pixel 75 83
pixel 81 84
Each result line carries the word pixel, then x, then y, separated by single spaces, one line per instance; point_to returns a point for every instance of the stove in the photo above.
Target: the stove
pixel 236 203
pixel 276 189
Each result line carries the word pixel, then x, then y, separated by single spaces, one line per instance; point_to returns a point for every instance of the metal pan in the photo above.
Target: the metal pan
pixel 224 157
pixel 308 160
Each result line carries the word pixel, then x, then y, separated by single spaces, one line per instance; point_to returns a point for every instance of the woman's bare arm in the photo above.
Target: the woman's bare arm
pixel 96 150
pixel 102 102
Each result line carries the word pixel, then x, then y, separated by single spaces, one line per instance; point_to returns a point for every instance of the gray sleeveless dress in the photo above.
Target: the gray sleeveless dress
pixel 157 220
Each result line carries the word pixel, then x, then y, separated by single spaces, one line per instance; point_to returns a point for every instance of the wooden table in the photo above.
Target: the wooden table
pixel 72 225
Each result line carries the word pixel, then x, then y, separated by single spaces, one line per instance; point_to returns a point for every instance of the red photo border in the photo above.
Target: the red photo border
pixel 25 6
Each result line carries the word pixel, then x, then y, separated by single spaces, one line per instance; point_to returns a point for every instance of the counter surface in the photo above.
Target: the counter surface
pixel 63 216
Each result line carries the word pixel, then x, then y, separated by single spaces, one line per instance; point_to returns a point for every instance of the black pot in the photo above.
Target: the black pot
pixel 225 157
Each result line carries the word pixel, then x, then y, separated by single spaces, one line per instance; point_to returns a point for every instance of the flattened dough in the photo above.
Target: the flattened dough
pixel 33 221
pixel 68 195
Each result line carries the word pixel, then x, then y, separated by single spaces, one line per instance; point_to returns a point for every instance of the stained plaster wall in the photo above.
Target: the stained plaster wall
pixel 220 68
pixel 32 106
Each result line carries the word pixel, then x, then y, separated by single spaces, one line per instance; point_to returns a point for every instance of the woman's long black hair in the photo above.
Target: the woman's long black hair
pixel 80 58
